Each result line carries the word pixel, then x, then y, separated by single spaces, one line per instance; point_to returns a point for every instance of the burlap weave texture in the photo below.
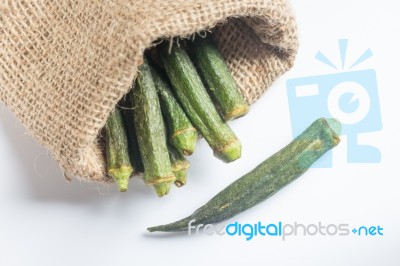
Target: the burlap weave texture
pixel 65 64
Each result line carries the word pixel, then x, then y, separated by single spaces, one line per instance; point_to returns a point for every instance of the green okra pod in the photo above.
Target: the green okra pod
pixel 151 133
pixel 134 153
pixel 266 179
pixel 180 166
pixel 198 105
pixel 219 79
pixel 181 133
pixel 117 155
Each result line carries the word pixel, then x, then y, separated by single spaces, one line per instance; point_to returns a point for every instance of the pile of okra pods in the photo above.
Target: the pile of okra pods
pixel 188 92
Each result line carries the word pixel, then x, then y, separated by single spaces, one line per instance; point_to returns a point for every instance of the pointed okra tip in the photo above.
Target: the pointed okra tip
pixel 181 225
pixel 121 176
pixel 159 228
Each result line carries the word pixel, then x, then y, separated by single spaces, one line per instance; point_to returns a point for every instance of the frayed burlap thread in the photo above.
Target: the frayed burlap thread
pixel 65 64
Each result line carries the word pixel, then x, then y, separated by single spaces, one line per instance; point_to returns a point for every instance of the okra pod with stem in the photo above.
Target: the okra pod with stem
pixel 266 179
pixel 151 133
pixel 180 166
pixel 181 133
pixel 198 105
pixel 117 155
pixel 217 76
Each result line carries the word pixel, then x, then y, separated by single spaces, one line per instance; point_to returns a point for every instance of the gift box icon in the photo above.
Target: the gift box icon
pixel 350 96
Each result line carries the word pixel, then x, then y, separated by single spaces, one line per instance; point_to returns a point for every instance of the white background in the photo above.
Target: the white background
pixel 46 221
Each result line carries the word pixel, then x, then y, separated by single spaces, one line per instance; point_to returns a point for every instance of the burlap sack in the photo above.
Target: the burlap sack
pixel 64 64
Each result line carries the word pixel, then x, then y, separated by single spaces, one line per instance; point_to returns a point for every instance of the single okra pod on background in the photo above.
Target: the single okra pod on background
pixel 181 133
pixel 266 179
pixel 180 166
pixel 198 105
pixel 151 133
pixel 117 155
pixel 219 79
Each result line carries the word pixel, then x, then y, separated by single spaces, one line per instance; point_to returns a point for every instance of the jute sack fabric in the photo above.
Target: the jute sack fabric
pixel 65 64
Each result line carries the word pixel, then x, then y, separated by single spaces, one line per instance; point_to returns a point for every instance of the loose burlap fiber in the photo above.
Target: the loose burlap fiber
pixel 65 64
